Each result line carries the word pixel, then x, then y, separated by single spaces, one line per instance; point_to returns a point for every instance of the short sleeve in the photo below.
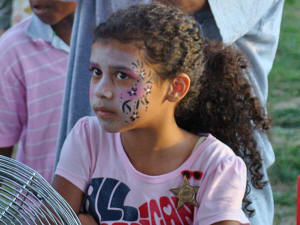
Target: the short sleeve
pixel 75 160
pixel 221 193
pixel 13 111
pixel 235 18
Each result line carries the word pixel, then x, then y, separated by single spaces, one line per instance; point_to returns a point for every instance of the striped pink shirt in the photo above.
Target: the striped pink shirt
pixel 32 80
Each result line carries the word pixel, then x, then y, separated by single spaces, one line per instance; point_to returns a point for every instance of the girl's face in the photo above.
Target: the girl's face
pixel 125 93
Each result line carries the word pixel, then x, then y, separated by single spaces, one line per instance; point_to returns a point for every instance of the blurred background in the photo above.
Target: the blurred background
pixel 284 107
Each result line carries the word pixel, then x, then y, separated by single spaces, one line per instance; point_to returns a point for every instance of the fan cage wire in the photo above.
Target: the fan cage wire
pixel 23 199
pixel 20 198
pixel 22 194
pixel 25 192
pixel 49 200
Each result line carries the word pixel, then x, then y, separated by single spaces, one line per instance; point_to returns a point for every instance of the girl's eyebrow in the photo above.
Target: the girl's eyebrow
pixel 116 67
pixel 94 64
pixel 121 67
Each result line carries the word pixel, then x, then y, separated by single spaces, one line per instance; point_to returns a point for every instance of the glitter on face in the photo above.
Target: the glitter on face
pixel 134 99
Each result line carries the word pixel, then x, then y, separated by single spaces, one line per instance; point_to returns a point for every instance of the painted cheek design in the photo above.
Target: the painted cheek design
pixel 134 116
pixel 136 97
pixel 135 92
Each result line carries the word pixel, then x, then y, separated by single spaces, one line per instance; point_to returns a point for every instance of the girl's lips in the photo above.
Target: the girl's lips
pixel 103 113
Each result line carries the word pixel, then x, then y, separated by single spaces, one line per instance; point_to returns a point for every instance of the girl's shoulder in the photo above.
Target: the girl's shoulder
pixel 211 146
pixel 211 153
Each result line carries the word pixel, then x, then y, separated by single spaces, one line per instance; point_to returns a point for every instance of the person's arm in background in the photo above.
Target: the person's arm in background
pixel 5 15
pixel 236 18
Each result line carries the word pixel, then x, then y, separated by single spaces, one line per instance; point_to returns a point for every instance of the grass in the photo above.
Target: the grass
pixel 284 106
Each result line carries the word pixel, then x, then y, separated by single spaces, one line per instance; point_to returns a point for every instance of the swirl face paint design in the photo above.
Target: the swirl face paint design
pixel 134 100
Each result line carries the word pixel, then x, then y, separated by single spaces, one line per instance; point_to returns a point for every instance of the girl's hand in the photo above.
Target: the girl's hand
pixel 87 219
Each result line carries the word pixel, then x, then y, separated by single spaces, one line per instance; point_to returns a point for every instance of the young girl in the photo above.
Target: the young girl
pixel 162 96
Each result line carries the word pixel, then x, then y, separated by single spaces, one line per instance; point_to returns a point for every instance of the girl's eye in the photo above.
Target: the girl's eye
pixel 96 72
pixel 122 76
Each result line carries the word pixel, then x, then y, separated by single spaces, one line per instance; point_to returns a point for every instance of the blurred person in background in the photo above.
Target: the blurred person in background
pixel 33 61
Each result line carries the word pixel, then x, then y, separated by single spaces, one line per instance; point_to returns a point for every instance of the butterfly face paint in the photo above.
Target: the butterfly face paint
pixel 134 100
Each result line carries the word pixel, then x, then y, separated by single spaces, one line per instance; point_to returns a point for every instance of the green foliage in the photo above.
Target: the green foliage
pixel 290 2
pixel 284 107
pixel 287 117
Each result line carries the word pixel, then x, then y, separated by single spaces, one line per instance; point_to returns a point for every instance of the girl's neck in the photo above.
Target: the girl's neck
pixel 155 135
pixel 158 151
pixel 63 29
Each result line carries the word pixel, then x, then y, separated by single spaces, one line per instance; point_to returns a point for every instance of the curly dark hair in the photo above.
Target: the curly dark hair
pixel 220 100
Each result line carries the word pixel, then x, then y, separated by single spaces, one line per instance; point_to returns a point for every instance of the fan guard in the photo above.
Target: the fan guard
pixel 26 198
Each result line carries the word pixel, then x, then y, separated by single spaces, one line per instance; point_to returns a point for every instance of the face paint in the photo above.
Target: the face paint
pixel 134 99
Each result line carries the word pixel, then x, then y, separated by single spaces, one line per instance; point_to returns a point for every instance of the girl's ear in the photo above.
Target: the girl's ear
pixel 178 88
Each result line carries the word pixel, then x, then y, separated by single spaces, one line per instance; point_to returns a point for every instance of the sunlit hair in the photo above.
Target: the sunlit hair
pixel 220 100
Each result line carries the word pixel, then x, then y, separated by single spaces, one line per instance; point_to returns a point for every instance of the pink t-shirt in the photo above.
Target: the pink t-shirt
pixel 32 82
pixel 116 193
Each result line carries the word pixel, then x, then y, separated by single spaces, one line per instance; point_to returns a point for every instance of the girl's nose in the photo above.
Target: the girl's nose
pixel 103 89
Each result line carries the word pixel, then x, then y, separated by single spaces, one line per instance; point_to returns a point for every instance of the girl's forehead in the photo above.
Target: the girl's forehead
pixel 114 52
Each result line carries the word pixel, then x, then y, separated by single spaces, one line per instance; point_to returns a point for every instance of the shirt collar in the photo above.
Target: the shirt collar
pixel 39 30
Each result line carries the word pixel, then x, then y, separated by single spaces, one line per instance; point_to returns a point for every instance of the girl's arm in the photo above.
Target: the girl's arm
pixel 87 219
pixel 74 196
pixel 227 222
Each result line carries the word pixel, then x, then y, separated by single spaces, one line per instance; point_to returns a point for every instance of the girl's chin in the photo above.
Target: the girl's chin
pixel 111 126
pixel 116 124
